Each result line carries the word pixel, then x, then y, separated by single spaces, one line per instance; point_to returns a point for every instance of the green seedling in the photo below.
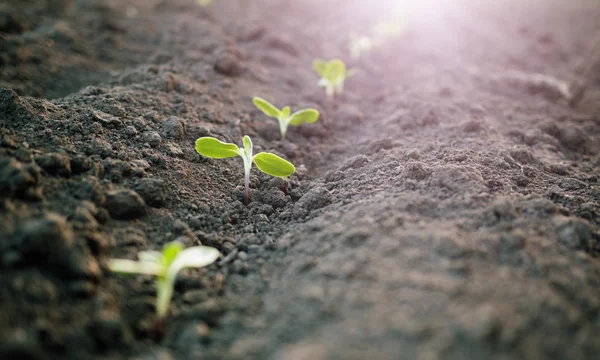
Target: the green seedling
pixel 333 75
pixel 305 116
pixel 165 265
pixel 205 2
pixel 266 162
pixel 359 45
pixel 388 29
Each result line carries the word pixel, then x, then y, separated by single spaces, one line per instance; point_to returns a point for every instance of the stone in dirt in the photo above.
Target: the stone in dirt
pixel 55 164
pixel 315 198
pixel 153 191
pixel 16 178
pixel 49 242
pixel 173 128
pixel 124 204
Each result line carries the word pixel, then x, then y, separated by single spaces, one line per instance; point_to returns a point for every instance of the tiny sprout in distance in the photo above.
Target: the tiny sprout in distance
pixel 284 117
pixel 333 75
pixel 359 45
pixel 266 162
pixel 165 265
pixel 205 2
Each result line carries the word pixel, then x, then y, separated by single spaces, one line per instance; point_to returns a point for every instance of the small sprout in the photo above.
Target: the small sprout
pixel 266 162
pixel 283 116
pixel 333 75
pixel 205 2
pixel 359 45
pixel 165 266
pixel 389 29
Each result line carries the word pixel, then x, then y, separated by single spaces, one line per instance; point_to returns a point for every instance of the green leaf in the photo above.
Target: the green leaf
pixel 286 112
pixel 304 116
pixel 248 147
pixel 247 142
pixel 170 252
pixel 196 256
pixel 266 107
pixel 213 148
pixel 273 165
pixel 150 256
pixel 135 267
pixel 319 66
pixel 334 70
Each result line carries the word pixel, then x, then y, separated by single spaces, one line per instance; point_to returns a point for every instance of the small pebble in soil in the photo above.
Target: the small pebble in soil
pixel 152 138
pixel 574 233
pixel 355 162
pixel 229 62
pixel 16 178
pixel 55 164
pixel 153 191
pixel 124 204
pixel 173 128
pixel 315 198
pixel 107 120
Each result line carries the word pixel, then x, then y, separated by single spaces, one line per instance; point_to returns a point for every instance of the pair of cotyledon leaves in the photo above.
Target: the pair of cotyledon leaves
pixel 268 163
pixel 284 116
pixel 165 265
pixel 333 75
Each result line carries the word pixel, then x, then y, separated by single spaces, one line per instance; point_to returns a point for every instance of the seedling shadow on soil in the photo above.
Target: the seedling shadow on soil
pixel 445 205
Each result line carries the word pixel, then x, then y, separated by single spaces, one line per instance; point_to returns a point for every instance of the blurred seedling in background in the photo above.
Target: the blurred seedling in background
pixel 360 45
pixel 205 2
pixel 384 30
pixel 333 75
pixel 165 265
pixel 304 116
pixel 266 162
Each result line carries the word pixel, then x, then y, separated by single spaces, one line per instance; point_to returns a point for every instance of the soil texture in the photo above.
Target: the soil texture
pixel 445 206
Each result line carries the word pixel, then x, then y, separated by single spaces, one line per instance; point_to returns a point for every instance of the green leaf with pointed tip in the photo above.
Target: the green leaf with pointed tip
pixel 319 66
pixel 266 107
pixel 150 256
pixel 170 251
pixel 196 256
pixel 273 165
pixel 213 148
pixel 248 147
pixel 135 267
pixel 285 112
pixel 304 116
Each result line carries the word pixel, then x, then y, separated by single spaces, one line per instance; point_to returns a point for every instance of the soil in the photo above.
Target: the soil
pixel 445 206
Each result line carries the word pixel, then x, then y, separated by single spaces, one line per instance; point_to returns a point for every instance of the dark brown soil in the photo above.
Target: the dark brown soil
pixel 446 206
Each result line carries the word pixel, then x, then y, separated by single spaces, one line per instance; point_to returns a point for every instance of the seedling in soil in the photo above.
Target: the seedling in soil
pixel 359 45
pixel 333 75
pixel 165 265
pixel 266 162
pixel 384 30
pixel 305 116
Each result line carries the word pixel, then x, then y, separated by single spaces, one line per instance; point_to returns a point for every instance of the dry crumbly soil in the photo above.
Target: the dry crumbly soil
pixel 446 206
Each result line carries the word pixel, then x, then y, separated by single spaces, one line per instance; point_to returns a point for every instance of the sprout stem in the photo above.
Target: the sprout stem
pixel 247 187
